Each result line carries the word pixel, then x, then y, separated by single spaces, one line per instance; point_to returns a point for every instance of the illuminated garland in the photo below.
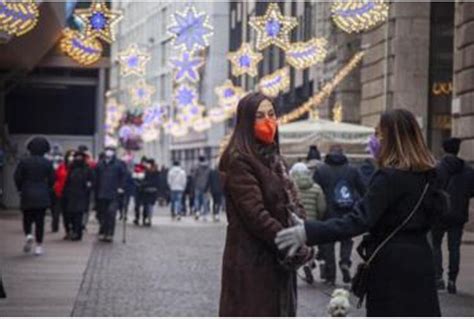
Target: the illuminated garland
pixel 186 67
pixel 229 95
pixel 83 50
pixel 114 113
pixel 141 93
pixel 217 114
pixel 202 124
pixel 359 15
pixel 133 61
pixel 185 95
pixel 302 55
pixel 272 84
pixel 244 60
pixel 327 89
pixel 337 112
pixel 18 18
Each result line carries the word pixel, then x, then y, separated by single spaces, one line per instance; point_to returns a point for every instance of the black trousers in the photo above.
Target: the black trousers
pixel 216 204
pixel 139 205
pixel 329 255
pixel 67 217
pixel 106 213
pixel 454 249
pixel 36 217
pixel 55 213
pixel 77 223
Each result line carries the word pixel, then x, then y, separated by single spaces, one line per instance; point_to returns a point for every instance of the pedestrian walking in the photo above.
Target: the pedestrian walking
pixel 188 196
pixel 150 190
pixel 313 159
pixel 34 179
pixel 138 177
pixel 399 208
pixel 164 192
pixel 92 165
pixel 177 184
pixel 76 193
pixel 124 199
pixel 342 186
pixel 59 182
pixel 217 194
pixel 201 188
pixel 257 280
pixel 456 178
pixel 110 179
pixel 57 159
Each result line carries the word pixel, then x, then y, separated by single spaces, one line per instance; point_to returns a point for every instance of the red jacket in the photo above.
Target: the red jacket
pixel 61 176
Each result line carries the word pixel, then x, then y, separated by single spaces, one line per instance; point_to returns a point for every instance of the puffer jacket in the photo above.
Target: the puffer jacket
pixel 310 194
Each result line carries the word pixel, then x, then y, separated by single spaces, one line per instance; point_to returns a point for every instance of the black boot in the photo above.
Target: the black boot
pixel 452 287
pixel 308 275
pixel 346 274
pixel 440 285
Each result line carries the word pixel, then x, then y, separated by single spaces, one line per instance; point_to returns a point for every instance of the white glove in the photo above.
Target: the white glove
pixel 291 238
pixel 297 220
pixel 120 191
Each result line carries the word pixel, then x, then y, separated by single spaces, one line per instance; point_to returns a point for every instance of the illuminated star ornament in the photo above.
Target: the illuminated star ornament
pixel 141 93
pixel 77 46
pixel 153 115
pixel 302 55
pixel 185 95
pixel 229 94
pixel 244 60
pixel 359 15
pixel 190 29
pixel 273 28
pixel 133 61
pixel 99 21
pixel 272 84
pixel 217 114
pixel 187 67
pixel 202 124
pixel 18 18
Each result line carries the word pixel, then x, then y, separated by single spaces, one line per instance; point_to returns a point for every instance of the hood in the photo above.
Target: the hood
pixel 453 164
pixel 367 168
pixel 38 146
pixel 336 159
pixel 302 180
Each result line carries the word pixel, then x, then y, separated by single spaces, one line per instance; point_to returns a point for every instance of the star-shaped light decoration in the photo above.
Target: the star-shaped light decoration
pixel 190 29
pixel 141 93
pixel 359 15
pixel 272 84
pixel 302 55
pixel 229 94
pixel 185 95
pixel 186 67
pixel 154 114
pixel 244 60
pixel 190 113
pixel 133 61
pixel 273 28
pixel 80 48
pixel 99 20
pixel 18 18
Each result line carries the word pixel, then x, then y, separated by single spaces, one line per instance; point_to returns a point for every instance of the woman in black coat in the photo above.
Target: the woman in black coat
pixel 401 280
pixel 76 193
pixel 150 186
pixel 34 179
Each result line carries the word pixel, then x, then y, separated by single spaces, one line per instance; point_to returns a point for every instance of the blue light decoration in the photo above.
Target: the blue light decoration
pixel 133 61
pixel 229 96
pixel 272 84
pixel 154 114
pixel 18 18
pixel 302 55
pixel 190 29
pixel 185 95
pixel 141 93
pixel 244 60
pixel 355 16
pixel 80 48
pixel 186 67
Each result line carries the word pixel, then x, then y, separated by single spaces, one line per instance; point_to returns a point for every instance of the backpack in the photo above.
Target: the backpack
pixel 343 193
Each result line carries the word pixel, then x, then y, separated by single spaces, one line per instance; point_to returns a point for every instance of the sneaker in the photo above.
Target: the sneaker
pixel 452 287
pixel 28 244
pixel 346 274
pixel 108 239
pixel 440 285
pixel 308 275
pixel 39 250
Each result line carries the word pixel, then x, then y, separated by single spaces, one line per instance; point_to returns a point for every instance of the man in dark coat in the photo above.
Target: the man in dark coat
pixel 110 183
pixel 201 188
pixel 457 179
pixel 342 186
pixel 34 179
pixel 216 193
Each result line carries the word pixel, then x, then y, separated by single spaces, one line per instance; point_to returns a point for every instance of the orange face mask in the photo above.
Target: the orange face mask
pixel 265 130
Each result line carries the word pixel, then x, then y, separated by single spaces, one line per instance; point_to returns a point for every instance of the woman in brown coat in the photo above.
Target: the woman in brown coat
pixel 257 280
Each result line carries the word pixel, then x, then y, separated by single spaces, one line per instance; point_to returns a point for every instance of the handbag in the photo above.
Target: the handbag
pixel 360 280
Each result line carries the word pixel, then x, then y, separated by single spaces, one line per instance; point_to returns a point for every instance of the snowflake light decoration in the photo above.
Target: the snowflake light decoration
pixel 244 60
pixel 186 67
pixel 272 84
pixel 190 113
pixel 77 46
pixel 359 15
pixel 185 95
pixel 179 130
pixel 114 113
pixel 99 20
pixel 217 114
pixel 229 94
pixel 154 114
pixel 202 124
pixel 133 61
pixel 18 18
pixel 273 28
pixel 141 93
pixel 190 29
pixel 302 55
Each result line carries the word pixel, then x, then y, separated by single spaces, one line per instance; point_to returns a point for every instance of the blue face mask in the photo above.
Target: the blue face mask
pixel 374 146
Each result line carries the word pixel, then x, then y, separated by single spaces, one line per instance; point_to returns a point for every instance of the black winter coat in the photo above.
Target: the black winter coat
pixel 401 277
pixel 110 176
pixel 77 188
pixel 457 179
pixel 149 187
pixel 215 183
pixel 34 179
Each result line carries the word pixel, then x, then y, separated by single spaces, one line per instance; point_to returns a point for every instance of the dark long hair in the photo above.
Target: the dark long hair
pixel 243 139
pixel 403 145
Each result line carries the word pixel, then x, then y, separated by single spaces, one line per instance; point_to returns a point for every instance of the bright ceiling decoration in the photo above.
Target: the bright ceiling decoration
pixel 186 67
pixel 99 21
pixel 355 16
pixel 276 82
pixel 18 17
pixel 133 61
pixel 273 28
pixel 141 93
pixel 302 55
pixel 83 50
pixel 244 60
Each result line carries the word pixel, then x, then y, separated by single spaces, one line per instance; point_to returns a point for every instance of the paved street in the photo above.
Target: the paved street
pixel 171 269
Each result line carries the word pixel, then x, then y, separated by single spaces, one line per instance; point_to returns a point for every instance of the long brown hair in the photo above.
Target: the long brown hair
pixel 402 143
pixel 243 139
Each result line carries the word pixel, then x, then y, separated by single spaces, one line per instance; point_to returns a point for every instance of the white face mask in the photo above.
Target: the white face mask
pixel 109 153
pixel 70 159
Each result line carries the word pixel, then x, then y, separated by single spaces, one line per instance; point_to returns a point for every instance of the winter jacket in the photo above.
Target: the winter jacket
pixel 110 177
pixel 77 188
pixel 457 179
pixel 336 168
pixel 367 170
pixel 177 179
pixel 150 186
pixel 310 194
pixel 215 183
pixel 61 176
pixel 34 179
pixel 201 177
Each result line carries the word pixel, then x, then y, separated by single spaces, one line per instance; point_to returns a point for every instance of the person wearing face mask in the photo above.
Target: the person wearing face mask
pixel 261 200
pixel 60 180
pixel 110 178
pixel 402 203
pixel 57 159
